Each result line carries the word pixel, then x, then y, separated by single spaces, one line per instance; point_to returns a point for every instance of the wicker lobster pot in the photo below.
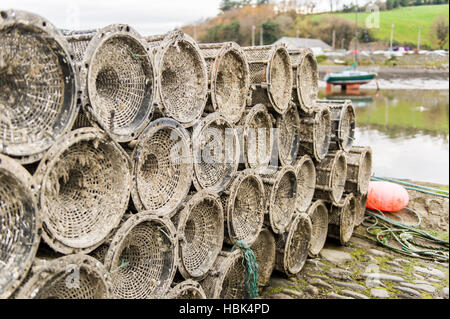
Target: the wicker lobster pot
pixel 200 231
pixel 318 213
pixel 38 84
pixel 244 203
pixel 216 153
pixel 343 119
pixel 226 278
pixel 181 77
pixel 188 289
pixel 292 247
pixel 288 126
pixel 331 177
pixel 228 77
pixel 281 194
pixel 162 167
pixel 257 139
pixel 264 250
pixel 142 257
pixel 270 76
pixel 85 184
pixel 19 224
pixel 306 79
pixel 359 166
pixel 117 80
pixel 69 277
pixel 342 219
pixel 306 179
pixel 315 134
pixel 361 202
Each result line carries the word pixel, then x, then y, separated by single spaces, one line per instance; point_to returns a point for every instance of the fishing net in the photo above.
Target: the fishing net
pixel 85 186
pixel 264 250
pixel 19 224
pixel 142 257
pixel 359 166
pixel 361 203
pixel 318 213
pixel 181 77
pixel 117 79
pixel 37 83
pixel 342 219
pixel 270 76
pixel 162 167
pixel 216 153
pixel 306 179
pixel 188 289
pixel 288 126
pixel 292 247
pixel 229 79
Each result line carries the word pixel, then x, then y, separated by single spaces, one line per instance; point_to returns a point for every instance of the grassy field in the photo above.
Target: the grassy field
pixel 406 20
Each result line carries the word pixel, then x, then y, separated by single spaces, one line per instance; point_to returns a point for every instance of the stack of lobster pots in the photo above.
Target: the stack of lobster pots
pixel 144 167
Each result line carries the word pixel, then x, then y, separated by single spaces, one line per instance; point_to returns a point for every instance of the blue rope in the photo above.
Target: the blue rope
pixel 249 262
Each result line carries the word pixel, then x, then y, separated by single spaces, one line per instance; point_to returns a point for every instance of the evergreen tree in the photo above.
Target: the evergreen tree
pixel 389 4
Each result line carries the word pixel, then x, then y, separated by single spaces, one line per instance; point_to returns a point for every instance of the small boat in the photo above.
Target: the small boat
pixel 350 76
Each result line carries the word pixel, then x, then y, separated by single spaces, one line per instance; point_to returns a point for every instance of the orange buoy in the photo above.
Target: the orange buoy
pixel 387 197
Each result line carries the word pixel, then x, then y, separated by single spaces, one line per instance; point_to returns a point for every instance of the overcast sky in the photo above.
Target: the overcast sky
pixel 146 16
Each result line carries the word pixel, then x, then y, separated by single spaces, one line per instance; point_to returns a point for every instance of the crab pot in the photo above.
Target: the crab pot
pixel 306 179
pixel 342 219
pixel 292 247
pixel 142 257
pixel 315 134
pixel 264 250
pixel 306 79
pixel 216 153
pixel 270 76
pixel 69 277
pixel 318 213
pixel 226 280
pixel 359 167
pixel 244 205
pixel 38 86
pixel 201 232
pixel 19 224
pixel 331 177
pixel 188 289
pixel 360 202
pixel 84 190
pixel 343 119
pixel 162 167
pixel 181 77
pixel 228 78
pixel 288 126
pixel 257 139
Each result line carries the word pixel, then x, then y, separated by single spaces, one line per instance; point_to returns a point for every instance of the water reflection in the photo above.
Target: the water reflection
pixel 408 131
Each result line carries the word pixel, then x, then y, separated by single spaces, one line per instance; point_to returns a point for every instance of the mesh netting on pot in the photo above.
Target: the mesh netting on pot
pixel 181 77
pixel 201 232
pixel 306 179
pixel 257 142
pixel 288 126
pixel 342 219
pixel 306 79
pixel 117 79
pixel 361 203
pixel 38 85
pixel 318 213
pixel 343 119
pixel 69 277
pixel 331 177
pixel 216 152
pixel 292 247
pixel 142 257
pixel 264 250
pixel 244 203
pixel 359 166
pixel 281 195
pixel 229 79
pixel 188 289
pixel 315 134
pixel 84 191
pixel 270 76
pixel 19 224
pixel 226 278
pixel 162 167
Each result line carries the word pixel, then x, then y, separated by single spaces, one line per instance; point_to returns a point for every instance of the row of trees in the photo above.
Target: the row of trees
pixel 226 5
pixel 391 4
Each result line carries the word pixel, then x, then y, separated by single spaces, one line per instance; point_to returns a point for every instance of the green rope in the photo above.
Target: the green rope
pixel 249 262
pixel 123 265
pixel 414 187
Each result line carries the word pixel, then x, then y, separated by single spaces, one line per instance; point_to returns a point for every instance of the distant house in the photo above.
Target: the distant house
pixel 316 45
